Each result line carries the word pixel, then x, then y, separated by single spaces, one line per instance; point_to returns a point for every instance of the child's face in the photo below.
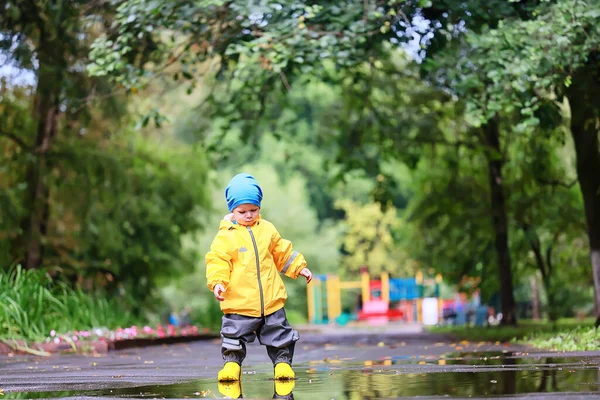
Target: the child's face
pixel 246 214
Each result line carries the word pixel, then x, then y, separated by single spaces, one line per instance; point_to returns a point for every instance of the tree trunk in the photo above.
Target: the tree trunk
pixel 52 66
pixel 583 95
pixel 545 268
pixel 535 298
pixel 500 221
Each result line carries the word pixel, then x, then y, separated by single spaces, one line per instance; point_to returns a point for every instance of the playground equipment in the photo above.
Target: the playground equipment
pixel 380 300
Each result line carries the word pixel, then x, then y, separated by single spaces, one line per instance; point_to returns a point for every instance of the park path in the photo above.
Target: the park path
pixel 386 362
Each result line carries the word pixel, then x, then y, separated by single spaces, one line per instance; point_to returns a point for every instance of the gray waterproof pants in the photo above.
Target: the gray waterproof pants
pixel 273 331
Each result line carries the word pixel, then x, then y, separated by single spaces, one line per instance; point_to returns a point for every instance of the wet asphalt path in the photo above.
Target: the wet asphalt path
pixel 330 364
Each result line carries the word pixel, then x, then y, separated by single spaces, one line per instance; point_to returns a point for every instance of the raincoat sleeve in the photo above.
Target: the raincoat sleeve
pixel 288 261
pixel 218 259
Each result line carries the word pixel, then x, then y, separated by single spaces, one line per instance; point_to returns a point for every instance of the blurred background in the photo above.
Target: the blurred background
pixel 456 140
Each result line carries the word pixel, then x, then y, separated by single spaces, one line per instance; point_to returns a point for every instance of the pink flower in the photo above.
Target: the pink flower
pixel 52 333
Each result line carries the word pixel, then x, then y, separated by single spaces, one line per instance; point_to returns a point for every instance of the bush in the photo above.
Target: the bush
pixel 32 304
pixel 578 339
pixel 209 317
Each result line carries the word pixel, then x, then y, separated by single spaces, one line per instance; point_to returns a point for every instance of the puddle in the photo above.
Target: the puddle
pixel 481 375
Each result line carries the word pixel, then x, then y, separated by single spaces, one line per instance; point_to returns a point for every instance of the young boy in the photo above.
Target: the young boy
pixel 242 270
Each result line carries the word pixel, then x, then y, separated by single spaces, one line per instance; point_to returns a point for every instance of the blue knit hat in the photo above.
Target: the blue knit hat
pixel 242 189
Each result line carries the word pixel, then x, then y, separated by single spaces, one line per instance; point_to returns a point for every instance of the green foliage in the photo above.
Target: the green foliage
pixel 32 304
pixel 118 211
pixel 133 229
pixel 335 121
pixel 368 241
pixel 578 339
pixel 254 39
pixel 450 218
pixel 519 65
pixel 209 316
pixel 526 329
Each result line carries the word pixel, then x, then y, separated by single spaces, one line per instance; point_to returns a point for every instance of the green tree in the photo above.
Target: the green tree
pixel 51 41
pixel 81 192
pixel 528 64
pixel 368 241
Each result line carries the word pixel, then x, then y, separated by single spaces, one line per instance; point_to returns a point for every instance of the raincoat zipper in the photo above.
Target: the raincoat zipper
pixel 260 289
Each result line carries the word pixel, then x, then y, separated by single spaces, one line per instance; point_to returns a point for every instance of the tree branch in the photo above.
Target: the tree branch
pixel 285 81
pixel 556 182
pixel 549 253
pixel 534 242
pixel 17 140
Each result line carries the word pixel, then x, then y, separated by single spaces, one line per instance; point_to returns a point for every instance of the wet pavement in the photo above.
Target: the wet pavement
pixel 365 364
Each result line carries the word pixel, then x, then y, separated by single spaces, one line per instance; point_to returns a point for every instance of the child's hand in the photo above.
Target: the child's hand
pixel 229 217
pixel 307 274
pixel 218 291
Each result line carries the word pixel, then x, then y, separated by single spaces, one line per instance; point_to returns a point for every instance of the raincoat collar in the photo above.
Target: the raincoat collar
pixel 234 224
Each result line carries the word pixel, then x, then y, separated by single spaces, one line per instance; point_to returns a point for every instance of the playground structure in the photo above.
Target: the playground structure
pixel 383 300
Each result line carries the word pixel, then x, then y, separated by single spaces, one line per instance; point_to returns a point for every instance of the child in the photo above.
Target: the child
pixel 242 270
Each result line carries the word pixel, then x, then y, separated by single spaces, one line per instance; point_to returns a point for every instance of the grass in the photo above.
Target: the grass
pixel 582 338
pixel 537 333
pixel 32 305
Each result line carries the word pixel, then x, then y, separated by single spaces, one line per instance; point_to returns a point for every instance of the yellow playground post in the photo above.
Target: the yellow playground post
pixel 334 297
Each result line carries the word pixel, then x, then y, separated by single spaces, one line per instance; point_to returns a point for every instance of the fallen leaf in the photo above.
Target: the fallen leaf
pixel 117 376
pixel 422 362
pixel 148 362
pixel 380 344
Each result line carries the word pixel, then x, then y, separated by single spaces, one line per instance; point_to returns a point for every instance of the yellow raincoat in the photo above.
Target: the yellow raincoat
pixel 247 260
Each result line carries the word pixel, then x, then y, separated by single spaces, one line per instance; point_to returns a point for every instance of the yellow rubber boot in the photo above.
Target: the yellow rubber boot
pixel 232 389
pixel 284 387
pixel 284 371
pixel 231 372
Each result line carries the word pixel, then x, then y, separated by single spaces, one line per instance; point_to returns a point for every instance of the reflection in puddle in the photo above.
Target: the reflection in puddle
pixel 487 375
